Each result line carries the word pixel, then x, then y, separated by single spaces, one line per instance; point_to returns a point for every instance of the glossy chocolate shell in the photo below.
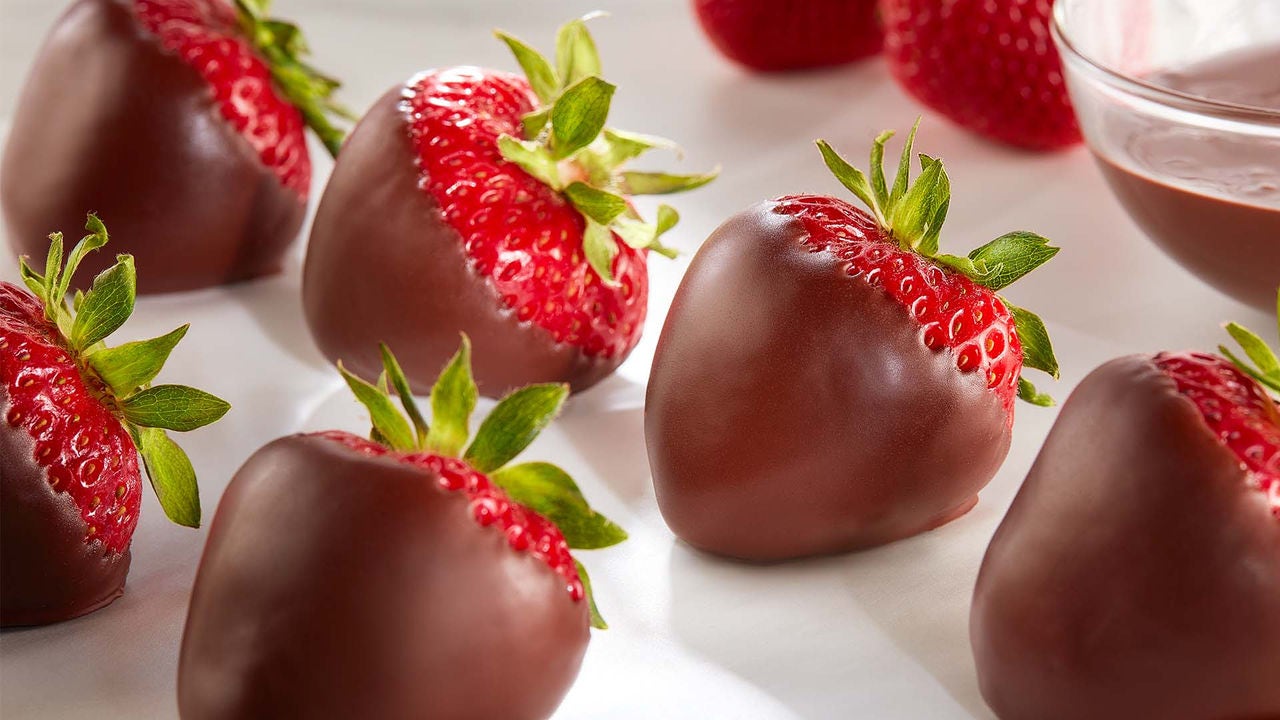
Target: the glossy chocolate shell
pixel 1137 575
pixel 384 266
pixel 793 410
pixel 339 585
pixel 109 122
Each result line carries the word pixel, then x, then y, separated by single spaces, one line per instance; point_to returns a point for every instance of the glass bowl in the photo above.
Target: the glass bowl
pixel 1179 100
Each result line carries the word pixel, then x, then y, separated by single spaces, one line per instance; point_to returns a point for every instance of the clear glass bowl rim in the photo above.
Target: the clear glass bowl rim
pixel 1137 86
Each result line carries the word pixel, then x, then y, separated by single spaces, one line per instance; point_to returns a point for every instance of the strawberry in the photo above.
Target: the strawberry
pixel 190 114
pixel 988 65
pixel 828 380
pixel 76 414
pixel 500 209
pixel 1137 573
pixel 402 576
pixel 773 36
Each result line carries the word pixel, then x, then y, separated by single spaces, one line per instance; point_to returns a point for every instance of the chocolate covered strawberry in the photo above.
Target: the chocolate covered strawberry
pixel 75 416
pixel 987 65
pixel 396 577
pixel 828 380
pixel 772 36
pixel 1137 573
pixel 475 200
pixel 182 122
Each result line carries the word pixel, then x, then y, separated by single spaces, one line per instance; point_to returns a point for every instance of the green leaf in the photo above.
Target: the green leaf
pixel 600 248
pixel 852 178
pixel 579 116
pixel 550 492
pixel 598 205
pixel 1256 348
pixel 173 407
pixel 667 219
pixel 1028 393
pixel 535 121
pixel 533 157
pixel 597 620
pixel 903 178
pixel 52 273
pixel 387 421
pixel 622 146
pixel 107 305
pixel 171 475
pixel 514 423
pixel 917 219
pixel 133 365
pixel 393 372
pixel 975 271
pixel 453 399
pixel 879 187
pixel 32 279
pixel 1037 350
pixel 96 238
pixel 653 183
pixel 542 78
pixel 1010 257
pixel 576 54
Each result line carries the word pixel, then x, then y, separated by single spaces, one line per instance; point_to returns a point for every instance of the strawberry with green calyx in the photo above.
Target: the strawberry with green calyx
pixel 505 208
pixel 1154 506
pixel 197 118
pixel 869 379
pixel 76 416
pixel 428 551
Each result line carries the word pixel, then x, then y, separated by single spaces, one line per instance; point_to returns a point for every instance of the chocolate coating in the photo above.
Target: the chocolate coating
pixel 1136 574
pixel 793 410
pixel 384 266
pixel 338 585
pixel 111 123
pixel 48 573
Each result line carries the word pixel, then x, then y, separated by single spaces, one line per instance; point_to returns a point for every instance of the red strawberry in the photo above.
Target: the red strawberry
pixel 75 416
pixel 772 36
pixel 398 577
pixel 188 136
pixel 499 209
pixel 826 380
pixel 1137 573
pixel 988 65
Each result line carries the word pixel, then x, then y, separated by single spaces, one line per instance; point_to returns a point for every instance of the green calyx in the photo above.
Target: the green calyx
pixel 567 146
pixel 912 214
pixel 282 45
pixel 121 376
pixel 505 432
pixel 1263 364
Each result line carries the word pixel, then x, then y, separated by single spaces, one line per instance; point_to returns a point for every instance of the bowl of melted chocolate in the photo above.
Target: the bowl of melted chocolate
pixel 1179 101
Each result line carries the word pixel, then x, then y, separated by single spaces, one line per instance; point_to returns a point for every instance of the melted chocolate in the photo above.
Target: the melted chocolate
pixel 111 123
pixel 48 573
pixel 1136 574
pixel 794 411
pixel 339 585
pixel 384 266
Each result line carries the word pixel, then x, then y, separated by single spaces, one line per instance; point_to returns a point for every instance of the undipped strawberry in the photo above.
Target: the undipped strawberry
pixel 828 380
pixel 75 415
pixel 771 36
pixel 396 577
pixel 475 200
pixel 988 65
pixel 182 122
pixel 1137 573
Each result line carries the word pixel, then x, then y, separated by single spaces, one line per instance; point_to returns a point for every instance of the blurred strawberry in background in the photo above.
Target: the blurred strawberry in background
pixel 770 36
pixel 988 65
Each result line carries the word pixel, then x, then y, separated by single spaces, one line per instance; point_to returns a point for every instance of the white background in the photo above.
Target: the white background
pixel 879 634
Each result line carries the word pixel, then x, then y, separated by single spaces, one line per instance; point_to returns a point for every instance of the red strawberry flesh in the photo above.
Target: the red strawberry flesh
pixel 518 233
pixel 205 34
pixel 1237 410
pixel 82 446
pixel 953 312
pixel 525 530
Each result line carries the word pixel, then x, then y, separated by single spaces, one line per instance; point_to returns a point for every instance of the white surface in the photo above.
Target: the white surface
pixel 880 634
